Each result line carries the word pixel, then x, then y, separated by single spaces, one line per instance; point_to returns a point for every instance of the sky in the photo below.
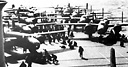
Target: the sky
pixel 49 3
pixel 44 3
pixel 108 5
pixel 96 4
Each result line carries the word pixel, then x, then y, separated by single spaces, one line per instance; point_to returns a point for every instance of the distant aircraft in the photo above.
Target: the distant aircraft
pixel 83 19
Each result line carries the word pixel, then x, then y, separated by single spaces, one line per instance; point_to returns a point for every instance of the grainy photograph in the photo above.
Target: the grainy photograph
pixel 63 33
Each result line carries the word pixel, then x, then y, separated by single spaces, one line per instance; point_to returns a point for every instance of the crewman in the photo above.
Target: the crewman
pixel 47 55
pixel 122 40
pixel 42 39
pixel 103 26
pixel 49 38
pixel 89 29
pixel 117 28
pixel 54 37
pixel 13 6
pixel 80 50
pixel 102 29
pixel 58 37
pixel 29 59
pixel 114 34
pixel 54 59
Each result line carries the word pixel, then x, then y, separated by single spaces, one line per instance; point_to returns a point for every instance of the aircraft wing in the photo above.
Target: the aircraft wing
pixel 7 16
pixel 52 17
pixel 41 17
pixel 71 23
pixel 66 24
pixel 51 32
pixel 121 24
pixel 67 18
pixel 63 18
pixel 10 10
pixel 101 13
pixel 75 18
pixel 117 17
pixel 58 17
pixel 53 13
pixel 111 19
pixel 14 34
pixel 39 24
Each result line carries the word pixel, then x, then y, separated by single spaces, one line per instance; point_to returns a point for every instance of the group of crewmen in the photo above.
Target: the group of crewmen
pixel 41 58
pixel 114 36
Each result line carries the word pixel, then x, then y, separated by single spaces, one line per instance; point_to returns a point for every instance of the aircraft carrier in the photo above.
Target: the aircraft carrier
pixel 28 33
